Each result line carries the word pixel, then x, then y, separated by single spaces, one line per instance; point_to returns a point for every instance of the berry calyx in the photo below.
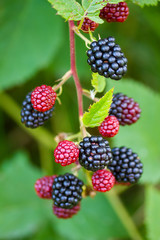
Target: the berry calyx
pixel 106 58
pixel 67 191
pixel 43 98
pixel 115 12
pixel 66 153
pixel 126 165
pixel 103 180
pixel 109 127
pixel 43 186
pixel 31 117
pixel 88 25
pixel 125 109
pixel 65 213
pixel 94 153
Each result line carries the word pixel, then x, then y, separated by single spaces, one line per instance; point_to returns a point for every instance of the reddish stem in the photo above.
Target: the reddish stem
pixel 74 70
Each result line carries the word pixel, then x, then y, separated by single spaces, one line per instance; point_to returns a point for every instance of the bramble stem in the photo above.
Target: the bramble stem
pixel 123 215
pixel 77 32
pixel 75 75
pixel 66 76
pixel 88 95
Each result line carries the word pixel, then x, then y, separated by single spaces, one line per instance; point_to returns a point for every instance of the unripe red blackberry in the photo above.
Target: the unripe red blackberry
pixel 125 109
pixel 103 180
pixel 43 186
pixel 109 127
pixel 94 153
pixel 65 213
pixel 43 98
pixel 106 58
pixel 67 191
pixel 126 165
pixel 88 25
pixel 31 117
pixel 66 153
pixel 115 12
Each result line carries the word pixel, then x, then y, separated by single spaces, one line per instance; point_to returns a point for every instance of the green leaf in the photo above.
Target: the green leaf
pixel 98 111
pixel 152 210
pixel 68 9
pixel 21 210
pixel 98 82
pixel 95 214
pixel 29 39
pixel 146 2
pixel 92 8
pixel 143 136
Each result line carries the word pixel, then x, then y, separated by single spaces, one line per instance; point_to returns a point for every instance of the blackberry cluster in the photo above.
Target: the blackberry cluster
pixel 115 12
pixel 94 153
pixel 67 191
pixel 106 58
pixel 126 166
pixel 109 127
pixel 31 117
pixel 103 180
pixel 125 109
pixel 65 213
pixel 88 25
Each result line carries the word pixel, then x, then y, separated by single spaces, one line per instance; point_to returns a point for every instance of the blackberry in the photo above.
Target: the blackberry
pixel 106 58
pixel 115 12
pixel 31 117
pixel 65 213
pixel 66 153
pixel 94 153
pixel 88 25
pixel 125 109
pixel 109 127
pixel 43 186
pixel 126 165
pixel 43 98
pixel 67 191
pixel 103 180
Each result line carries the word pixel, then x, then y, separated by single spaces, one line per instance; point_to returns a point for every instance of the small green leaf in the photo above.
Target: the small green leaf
pixel 98 111
pixel 146 2
pixel 151 207
pixel 68 9
pixel 98 82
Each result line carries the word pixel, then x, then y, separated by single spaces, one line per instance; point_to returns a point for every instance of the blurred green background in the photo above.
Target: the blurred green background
pixel 34 50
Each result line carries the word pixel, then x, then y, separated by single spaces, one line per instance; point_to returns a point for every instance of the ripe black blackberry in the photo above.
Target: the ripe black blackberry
pixel 126 165
pixel 67 191
pixel 94 153
pixel 106 58
pixel 31 117
pixel 125 109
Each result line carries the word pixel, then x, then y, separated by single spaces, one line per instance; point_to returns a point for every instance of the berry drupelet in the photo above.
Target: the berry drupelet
pixel 67 191
pixel 65 213
pixel 103 180
pixel 106 58
pixel 125 109
pixel 109 127
pixel 66 153
pixel 126 165
pixel 43 98
pixel 94 153
pixel 115 12
pixel 31 117
pixel 43 186
pixel 88 25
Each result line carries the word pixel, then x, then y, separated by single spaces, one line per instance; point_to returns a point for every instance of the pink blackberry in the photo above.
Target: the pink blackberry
pixel 66 153
pixel 109 127
pixel 125 109
pixel 43 98
pixel 65 213
pixel 115 12
pixel 43 186
pixel 88 25
pixel 103 180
